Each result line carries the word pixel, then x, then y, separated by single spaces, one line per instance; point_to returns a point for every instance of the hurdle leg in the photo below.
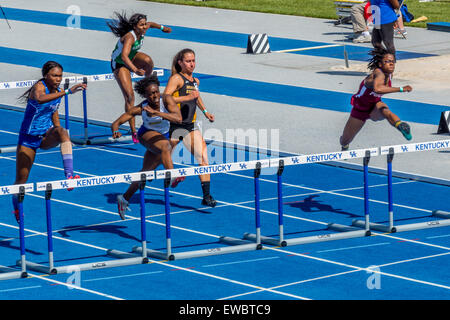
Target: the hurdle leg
pixel 130 258
pixel 50 269
pixel 269 240
pixel 86 135
pixel 143 225
pixel 22 232
pixel 66 106
pixel 257 236
pixel 280 203
pixel 390 157
pixel 22 262
pixel 378 226
pixel 85 119
pixel 155 253
pixel 236 245
pixel 358 223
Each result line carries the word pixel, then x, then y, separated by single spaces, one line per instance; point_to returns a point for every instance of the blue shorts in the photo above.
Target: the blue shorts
pixel 143 130
pixel 29 141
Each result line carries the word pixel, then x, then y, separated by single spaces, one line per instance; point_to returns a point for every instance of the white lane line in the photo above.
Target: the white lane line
pixel 238 262
pixel 355 247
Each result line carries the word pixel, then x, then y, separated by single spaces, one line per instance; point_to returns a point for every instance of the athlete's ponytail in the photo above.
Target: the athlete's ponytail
pixel 122 25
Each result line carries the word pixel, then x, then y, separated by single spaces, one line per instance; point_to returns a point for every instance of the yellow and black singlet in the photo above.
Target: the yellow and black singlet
pixel 188 109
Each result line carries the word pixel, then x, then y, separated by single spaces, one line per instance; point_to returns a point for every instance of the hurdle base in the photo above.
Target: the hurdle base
pixel 154 253
pixel 125 259
pixel 423 225
pixel 7 274
pixel 38 267
pixel 441 214
pixel 374 226
pixel 265 240
pixel 236 245
pixel 445 221
pixel 100 140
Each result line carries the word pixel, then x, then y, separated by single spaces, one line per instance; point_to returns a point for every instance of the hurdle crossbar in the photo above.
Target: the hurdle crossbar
pixel 72 79
pixel 20 190
pixel 441 219
pixel 344 232
pixel 233 244
pixel 123 258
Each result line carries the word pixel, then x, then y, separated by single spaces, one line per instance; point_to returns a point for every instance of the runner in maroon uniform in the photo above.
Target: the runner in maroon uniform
pixel 367 103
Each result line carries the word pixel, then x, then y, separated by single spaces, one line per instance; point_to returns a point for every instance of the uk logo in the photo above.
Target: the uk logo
pixel 64 184
pixel 295 160
pixel 353 154
pixel 5 190
pixel 127 177
pixel 182 172
pixel 243 166
pixel 404 149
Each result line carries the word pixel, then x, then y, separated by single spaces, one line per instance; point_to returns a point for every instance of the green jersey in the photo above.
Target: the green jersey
pixel 116 55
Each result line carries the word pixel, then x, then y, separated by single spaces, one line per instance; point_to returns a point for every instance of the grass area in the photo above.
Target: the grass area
pixel 436 11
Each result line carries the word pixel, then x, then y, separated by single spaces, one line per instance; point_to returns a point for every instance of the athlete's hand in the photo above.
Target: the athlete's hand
pixel 407 88
pixel 194 95
pixel 78 87
pixel 151 112
pixel 140 72
pixel 209 116
pixel 116 134
pixel 167 29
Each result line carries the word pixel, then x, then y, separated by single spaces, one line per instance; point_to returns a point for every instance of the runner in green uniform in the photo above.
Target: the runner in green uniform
pixel 127 58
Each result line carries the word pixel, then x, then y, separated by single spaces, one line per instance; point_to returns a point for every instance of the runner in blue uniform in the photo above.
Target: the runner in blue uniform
pixel 40 126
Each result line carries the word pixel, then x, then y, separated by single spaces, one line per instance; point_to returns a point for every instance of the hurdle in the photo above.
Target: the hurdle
pixel 122 258
pixel 87 140
pixel 343 231
pixel 441 218
pixel 20 190
pixel 232 244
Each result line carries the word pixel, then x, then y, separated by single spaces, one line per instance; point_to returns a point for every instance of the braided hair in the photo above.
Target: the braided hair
pixel 377 57
pixel 122 25
pixel 49 65
pixel 142 85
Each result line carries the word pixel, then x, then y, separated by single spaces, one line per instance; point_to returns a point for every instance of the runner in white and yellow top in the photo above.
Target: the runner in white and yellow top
pixel 127 58
pixel 157 114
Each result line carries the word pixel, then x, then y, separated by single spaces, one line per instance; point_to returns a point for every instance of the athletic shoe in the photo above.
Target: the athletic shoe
pixel 73 177
pixel 345 148
pixel 16 215
pixel 362 39
pixel 405 129
pixel 209 201
pixel 176 181
pixel 122 206
pixel 135 137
